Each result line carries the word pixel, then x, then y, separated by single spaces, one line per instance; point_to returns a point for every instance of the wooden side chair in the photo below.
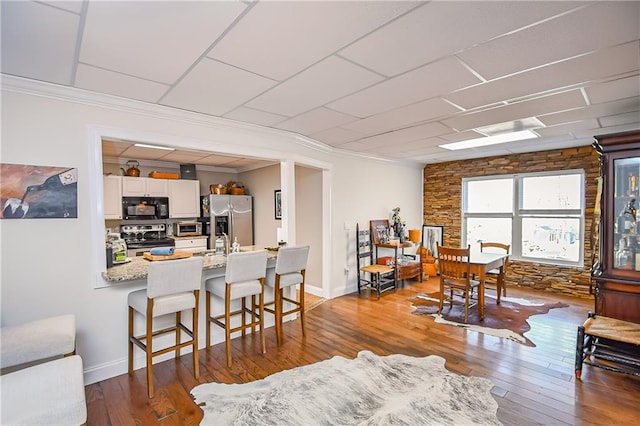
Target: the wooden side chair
pixel 493 247
pixel 244 277
pixel 455 275
pixel 173 286
pixel 291 265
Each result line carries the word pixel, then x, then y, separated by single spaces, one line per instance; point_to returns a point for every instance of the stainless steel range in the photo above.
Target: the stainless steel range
pixel 143 237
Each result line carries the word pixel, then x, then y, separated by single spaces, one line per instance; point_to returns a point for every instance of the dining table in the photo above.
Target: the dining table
pixel 479 264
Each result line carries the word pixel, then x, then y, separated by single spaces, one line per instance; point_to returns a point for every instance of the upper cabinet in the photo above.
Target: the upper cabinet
pixel 184 198
pixel 144 187
pixel 617 272
pixel 112 190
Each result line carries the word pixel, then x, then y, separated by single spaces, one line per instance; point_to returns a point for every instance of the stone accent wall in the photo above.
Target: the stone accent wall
pixel 443 201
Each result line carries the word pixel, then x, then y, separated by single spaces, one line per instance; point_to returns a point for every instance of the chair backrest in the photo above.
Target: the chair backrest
pixel 495 248
pixel 246 266
pixel 292 259
pixel 174 276
pixel 454 265
pixel 364 249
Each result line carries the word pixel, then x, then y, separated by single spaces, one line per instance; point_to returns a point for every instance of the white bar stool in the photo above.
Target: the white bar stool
pixel 244 276
pixel 172 287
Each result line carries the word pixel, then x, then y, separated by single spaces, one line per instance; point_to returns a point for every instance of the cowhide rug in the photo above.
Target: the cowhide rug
pixel 508 319
pixel 368 390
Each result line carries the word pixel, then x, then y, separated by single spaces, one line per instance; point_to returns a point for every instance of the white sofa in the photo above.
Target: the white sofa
pixel 42 379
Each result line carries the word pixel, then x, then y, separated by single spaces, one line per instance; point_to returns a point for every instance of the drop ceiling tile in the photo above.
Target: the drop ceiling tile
pixel 404 116
pixel 621 119
pixel 593 111
pixel 315 121
pixel 566 129
pixel 461 136
pixel 38 41
pixel 113 148
pixel 69 5
pixel 336 136
pixel 100 80
pixel 279 39
pixel 144 39
pixel 613 90
pixel 590 133
pixel 422 131
pixel 543 105
pixel 596 66
pixel 423 83
pixel 136 152
pixel 326 81
pixel 438 29
pixel 215 88
pixel 250 115
pixel 582 31
pixel 184 157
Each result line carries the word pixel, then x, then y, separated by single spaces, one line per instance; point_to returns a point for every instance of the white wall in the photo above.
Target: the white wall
pixel 50 266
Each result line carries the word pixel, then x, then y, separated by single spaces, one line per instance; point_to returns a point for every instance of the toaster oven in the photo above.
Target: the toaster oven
pixel 187 229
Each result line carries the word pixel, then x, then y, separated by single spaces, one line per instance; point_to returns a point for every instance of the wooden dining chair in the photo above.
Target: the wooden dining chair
pixel 455 275
pixel 492 247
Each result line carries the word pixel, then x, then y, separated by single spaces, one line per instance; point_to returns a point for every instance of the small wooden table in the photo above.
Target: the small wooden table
pixel 479 265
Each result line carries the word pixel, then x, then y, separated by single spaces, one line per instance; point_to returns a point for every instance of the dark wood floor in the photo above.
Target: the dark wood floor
pixel 533 385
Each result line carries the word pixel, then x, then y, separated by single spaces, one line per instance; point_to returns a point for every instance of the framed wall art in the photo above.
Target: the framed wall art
pixel 34 192
pixel 277 202
pixel 432 235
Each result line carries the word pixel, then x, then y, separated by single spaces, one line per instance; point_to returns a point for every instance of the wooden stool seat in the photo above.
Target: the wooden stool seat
pixel 377 269
pixel 608 343
pixel 614 329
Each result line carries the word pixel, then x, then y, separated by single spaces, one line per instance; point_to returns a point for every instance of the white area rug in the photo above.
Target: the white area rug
pixel 368 390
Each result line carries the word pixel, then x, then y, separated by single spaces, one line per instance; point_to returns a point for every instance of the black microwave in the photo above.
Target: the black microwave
pixel 145 208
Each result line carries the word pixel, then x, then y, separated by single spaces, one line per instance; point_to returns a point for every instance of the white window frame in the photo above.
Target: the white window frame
pixel 518 213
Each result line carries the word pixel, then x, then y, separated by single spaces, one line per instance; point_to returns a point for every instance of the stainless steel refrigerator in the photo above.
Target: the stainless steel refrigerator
pixel 232 215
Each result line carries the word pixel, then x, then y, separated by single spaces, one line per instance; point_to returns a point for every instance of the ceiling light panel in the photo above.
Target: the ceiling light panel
pixel 329 79
pixel 215 88
pixel 38 41
pixel 582 31
pixel 144 39
pixel 592 67
pixel 400 45
pixel 287 37
pixel 423 83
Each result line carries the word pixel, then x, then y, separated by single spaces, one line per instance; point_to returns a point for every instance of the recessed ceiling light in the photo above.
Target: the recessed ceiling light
pixel 143 145
pixel 490 140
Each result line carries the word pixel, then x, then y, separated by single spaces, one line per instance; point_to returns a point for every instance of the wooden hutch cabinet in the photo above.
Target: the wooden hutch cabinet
pixel 616 274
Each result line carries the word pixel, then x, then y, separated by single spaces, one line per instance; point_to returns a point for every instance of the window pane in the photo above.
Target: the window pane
pixel 488 229
pixel 551 238
pixel 551 192
pixel 490 196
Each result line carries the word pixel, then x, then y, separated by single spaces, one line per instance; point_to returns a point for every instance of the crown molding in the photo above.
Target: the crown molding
pixel 32 87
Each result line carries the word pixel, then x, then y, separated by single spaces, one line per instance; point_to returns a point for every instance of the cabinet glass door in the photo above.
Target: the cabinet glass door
pixel 626 243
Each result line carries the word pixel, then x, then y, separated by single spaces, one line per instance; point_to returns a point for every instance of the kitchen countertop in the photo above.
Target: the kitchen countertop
pixel 193 237
pixel 136 269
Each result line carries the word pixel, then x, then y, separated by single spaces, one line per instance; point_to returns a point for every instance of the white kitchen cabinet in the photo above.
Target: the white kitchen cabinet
pixel 144 187
pixel 184 198
pixel 194 244
pixel 112 193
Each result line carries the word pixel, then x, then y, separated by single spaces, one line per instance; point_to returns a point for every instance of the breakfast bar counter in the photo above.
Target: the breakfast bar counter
pixel 136 269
